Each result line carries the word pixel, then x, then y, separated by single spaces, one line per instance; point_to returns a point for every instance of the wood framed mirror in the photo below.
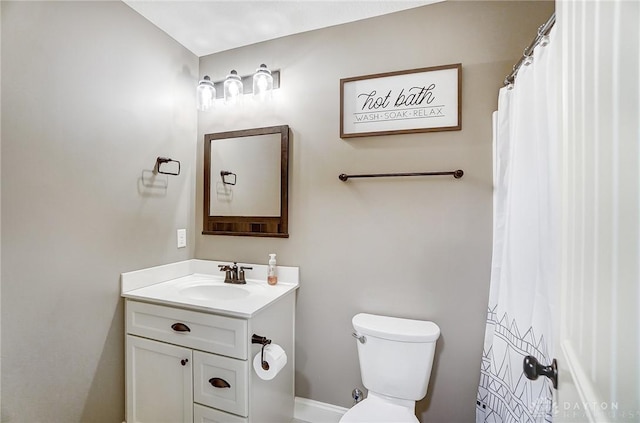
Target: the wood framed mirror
pixel 246 182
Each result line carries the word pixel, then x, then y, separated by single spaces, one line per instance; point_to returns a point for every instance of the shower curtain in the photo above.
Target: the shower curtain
pixel 525 244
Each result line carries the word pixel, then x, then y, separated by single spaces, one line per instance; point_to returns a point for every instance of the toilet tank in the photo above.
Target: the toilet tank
pixel 397 356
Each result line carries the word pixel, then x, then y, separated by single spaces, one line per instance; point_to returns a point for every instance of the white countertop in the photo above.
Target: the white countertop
pixel 199 285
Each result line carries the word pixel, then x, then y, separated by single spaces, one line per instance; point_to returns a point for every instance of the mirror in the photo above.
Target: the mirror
pixel 246 182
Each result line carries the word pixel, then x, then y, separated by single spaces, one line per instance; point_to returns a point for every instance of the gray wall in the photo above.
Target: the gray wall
pixel 92 93
pixel 417 248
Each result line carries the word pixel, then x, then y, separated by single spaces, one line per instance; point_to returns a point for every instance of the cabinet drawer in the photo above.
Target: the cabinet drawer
pixel 221 382
pixel 203 414
pixel 201 331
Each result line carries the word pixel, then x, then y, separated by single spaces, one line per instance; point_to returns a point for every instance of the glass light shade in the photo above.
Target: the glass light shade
pixel 205 94
pixel 233 89
pixel 262 83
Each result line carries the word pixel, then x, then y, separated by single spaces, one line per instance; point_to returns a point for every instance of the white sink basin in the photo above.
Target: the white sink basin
pixel 208 289
pixel 215 292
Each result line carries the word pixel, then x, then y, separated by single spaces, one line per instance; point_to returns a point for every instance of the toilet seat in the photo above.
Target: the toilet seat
pixel 377 410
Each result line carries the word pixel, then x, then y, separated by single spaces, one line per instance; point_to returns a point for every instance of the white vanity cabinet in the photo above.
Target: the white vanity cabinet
pixel 186 365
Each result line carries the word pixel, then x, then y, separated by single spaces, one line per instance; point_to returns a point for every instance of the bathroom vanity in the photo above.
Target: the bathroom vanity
pixel 189 350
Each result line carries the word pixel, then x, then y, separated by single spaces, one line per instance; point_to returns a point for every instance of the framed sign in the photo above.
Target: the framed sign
pixel 404 102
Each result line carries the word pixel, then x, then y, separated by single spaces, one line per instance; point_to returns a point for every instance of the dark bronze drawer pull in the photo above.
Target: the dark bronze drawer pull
pixel 184 361
pixel 219 383
pixel 180 327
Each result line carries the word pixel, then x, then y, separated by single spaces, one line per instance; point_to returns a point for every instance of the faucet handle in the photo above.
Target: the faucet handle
pixel 227 272
pixel 241 278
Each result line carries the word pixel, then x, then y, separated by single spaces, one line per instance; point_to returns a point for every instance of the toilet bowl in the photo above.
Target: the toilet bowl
pixel 396 356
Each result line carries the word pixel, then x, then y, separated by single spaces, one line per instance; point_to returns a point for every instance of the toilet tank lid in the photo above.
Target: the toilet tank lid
pixel 395 328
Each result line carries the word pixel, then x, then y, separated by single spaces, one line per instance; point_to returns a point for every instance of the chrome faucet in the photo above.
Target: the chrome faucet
pixel 234 274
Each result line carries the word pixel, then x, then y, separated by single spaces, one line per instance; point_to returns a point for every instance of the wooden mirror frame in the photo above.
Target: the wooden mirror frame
pixel 263 226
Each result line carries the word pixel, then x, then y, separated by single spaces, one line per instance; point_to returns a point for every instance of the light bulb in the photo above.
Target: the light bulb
pixel 262 83
pixel 205 94
pixel 233 89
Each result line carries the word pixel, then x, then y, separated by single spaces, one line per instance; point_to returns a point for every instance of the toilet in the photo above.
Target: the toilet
pixel 395 356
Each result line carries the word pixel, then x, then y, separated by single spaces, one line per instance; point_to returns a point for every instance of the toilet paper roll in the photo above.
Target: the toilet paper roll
pixel 275 357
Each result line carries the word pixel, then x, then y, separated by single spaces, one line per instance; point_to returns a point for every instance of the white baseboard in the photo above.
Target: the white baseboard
pixel 311 411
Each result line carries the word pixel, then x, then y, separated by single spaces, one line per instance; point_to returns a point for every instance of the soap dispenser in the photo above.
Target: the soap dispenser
pixel 272 275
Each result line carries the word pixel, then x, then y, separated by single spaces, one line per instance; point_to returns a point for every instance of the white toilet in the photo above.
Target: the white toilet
pixel 396 356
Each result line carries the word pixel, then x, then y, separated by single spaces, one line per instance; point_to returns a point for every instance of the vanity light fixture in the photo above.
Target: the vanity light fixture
pixel 205 94
pixel 234 87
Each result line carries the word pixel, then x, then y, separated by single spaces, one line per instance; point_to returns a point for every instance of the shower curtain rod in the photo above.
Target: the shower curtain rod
pixel 543 31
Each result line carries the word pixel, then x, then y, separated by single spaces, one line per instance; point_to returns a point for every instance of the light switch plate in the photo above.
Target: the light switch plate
pixel 182 238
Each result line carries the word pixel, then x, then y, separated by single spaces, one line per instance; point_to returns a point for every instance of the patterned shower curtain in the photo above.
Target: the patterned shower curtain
pixel 525 244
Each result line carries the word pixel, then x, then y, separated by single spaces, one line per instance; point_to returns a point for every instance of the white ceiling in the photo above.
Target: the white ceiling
pixel 210 26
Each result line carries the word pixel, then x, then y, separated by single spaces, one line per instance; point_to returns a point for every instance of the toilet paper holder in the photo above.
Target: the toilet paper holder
pixel 262 340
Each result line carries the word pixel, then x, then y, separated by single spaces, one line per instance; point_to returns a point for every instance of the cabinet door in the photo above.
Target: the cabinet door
pixel 159 382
